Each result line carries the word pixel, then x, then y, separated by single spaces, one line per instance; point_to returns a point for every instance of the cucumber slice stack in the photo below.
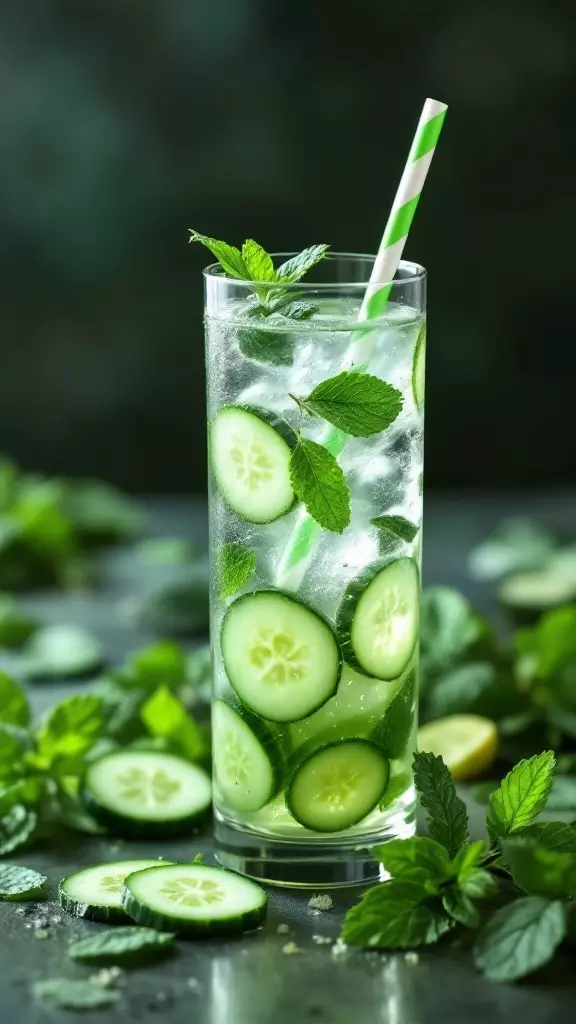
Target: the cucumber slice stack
pixel 141 794
pixel 96 892
pixel 281 657
pixel 194 900
pixel 250 457
pixel 378 618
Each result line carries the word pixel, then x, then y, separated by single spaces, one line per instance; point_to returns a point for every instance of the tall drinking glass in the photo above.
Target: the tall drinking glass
pixel 314 633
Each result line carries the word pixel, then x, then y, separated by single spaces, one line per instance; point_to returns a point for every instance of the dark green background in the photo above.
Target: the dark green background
pixel 124 122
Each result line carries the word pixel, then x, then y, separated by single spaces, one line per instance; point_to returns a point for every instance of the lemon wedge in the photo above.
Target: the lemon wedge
pixel 467 743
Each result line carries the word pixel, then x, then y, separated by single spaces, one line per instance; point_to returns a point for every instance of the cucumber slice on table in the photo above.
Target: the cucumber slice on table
pixel 194 899
pixel 419 369
pixel 281 657
pixel 378 618
pixel 145 794
pixel 96 892
pixel 250 453
pixel 247 763
pixel 338 785
pixel 527 595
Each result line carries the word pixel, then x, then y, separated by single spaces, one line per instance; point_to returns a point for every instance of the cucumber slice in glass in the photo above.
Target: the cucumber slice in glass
pixel 194 899
pixel 338 785
pixel 378 618
pixel 281 657
pixel 247 762
pixel 250 453
pixel 419 369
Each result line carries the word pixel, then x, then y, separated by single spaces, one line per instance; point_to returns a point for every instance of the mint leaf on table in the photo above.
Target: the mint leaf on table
pixel 69 730
pixel 16 880
pixel 118 943
pixel 476 688
pixel 520 937
pixel 165 551
pixel 357 403
pixel 521 796
pixel 551 642
pixel 417 859
pixel 258 262
pixel 229 257
pixel 515 545
pixel 165 716
pixel 450 630
pixel 460 907
pixel 554 835
pixel 318 481
pixel 15 626
pixel 74 994
pixel 236 564
pixel 395 527
pixel 398 915
pixel 447 817
pixel 16 827
pixel 14 708
pixel 539 870
pixel 99 512
pixel 161 663
pixel 393 730
pixel 295 268
pixel 61 652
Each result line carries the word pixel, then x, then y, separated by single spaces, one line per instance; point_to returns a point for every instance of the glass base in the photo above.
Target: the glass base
pixel 308 862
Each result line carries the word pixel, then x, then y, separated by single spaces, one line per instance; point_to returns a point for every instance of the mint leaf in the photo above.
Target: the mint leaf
pixel 554 835
pixel 229 257
pixel 61 652
pixel 356 403
pixel 397 915
pixel 162 663
pixel 449 629
pixel 165 716
pixel 551 642
pixel 236 564
pixel 118 943
pixel 398 784
pixel 14 708
pixel 516 544
pixel 273 348
pixel 318 481
pixel 394 728
pixel 539 870
pixel 100 512
pixel 15 627
pixel 447 818
pixel 475 688
pixel 16 827
pixel 13 742
pixel 395 528
pixel 460 907
pixel 295 309
pixel 418 859
pixel 521 795
pixel 295 268
pixel 70 729
pixel 520 938
pixel 477 884
pixel 257 261
pixel 74 994
pixel 16 880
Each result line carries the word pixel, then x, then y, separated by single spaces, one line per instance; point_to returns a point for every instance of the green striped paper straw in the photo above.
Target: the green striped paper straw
pixel 293 565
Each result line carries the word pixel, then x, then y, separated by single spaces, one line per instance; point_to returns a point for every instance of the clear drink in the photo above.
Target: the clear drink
pixel 315 672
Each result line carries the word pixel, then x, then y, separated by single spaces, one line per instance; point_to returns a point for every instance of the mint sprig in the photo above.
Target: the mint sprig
pixel 447 817
pixel 521 795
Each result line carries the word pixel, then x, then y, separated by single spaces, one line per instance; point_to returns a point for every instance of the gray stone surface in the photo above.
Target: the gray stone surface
pixel 252 980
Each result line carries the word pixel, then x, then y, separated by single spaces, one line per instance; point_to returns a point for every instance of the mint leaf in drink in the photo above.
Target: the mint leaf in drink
pixel 521 795
pixel 273 348
pixel 356 403
pixel 16 880
pixel 539 870
pixel 554 835
pixel 447 817
pixel 398 784
pixel 258 262
pixel 74 994
pixel 236 564
pixel 417 859
pixel 14 708
pixel 16 827
pixel 295 268
pixel 295 309
pixel 318 481
pixel 120 943
pixel 395 528
pixel 229 257
pixel 165 716
pixel 398 915
pixel 519 938
pixel 393 731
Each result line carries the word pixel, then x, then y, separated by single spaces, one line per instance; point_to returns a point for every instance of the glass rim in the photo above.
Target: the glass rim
pixel 416 272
